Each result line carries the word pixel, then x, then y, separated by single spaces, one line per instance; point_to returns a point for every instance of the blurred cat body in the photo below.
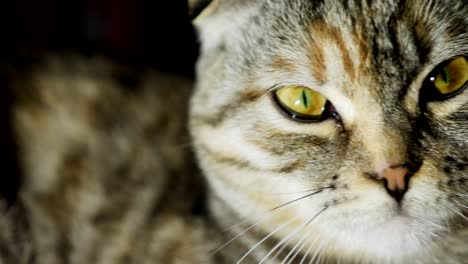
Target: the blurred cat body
pixel 109 176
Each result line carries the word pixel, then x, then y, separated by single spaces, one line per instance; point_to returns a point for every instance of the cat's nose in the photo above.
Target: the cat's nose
pixel 396 181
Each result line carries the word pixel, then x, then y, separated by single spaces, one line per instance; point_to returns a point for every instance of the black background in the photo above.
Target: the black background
pixel 148 33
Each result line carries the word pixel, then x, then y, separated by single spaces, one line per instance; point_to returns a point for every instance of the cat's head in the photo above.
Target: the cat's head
pixel 360 108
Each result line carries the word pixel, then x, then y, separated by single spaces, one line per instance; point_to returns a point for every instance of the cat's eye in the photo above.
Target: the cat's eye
pixel 449 78
pixel 301 103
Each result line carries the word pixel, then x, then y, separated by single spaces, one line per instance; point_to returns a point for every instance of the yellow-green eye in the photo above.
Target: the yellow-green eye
pixel 301 103
pixel 451 77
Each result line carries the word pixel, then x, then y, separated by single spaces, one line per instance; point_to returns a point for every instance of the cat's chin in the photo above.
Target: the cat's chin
pixel 397 224
pixel 397 237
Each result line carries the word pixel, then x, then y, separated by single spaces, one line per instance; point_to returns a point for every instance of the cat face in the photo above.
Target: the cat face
pixel 339 127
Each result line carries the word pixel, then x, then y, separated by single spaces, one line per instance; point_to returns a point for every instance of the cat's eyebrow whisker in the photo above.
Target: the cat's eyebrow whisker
pixel 265 238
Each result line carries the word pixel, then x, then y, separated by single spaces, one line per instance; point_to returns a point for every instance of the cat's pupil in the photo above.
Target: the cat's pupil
pixel 444 75
pixel 448 79
pixel 304 99
pixel 301 103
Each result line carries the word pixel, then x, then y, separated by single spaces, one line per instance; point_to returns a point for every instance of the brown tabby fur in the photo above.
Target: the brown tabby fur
pixel 109 174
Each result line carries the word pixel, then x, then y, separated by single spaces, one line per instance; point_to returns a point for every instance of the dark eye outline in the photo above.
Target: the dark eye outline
pixel 328 112
pixel 430 93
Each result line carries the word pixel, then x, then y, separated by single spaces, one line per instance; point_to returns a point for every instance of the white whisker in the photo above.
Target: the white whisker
pixel 307 252
pixel 293 249
pixel 302 244
pixel 312 192
pixel 317 252
pixel 265 238
pixel 305 242
pixel 289 193
pixel 285 239
pixel 263 218
pixel 458 213
pixel 282 241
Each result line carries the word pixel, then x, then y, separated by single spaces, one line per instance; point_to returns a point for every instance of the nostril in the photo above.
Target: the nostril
pixel 397 194
pixel 396 181
pixel 396 178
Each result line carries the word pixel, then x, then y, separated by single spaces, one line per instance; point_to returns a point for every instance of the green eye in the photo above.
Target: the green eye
pixel 301 103
pixel 451 77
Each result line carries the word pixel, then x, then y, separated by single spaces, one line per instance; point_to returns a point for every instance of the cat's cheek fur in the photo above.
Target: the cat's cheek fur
pixel 238 170
pixel 371 69
pixel 369 224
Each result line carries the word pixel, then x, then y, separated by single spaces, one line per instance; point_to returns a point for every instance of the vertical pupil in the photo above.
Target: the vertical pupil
pixel 444 75
pixel 304 99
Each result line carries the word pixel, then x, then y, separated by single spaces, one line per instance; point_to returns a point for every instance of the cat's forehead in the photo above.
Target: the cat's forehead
pixel 377 50
pixel 386 43
pixel 382 26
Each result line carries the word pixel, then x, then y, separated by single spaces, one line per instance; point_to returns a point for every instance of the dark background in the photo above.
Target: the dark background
pixel 140 33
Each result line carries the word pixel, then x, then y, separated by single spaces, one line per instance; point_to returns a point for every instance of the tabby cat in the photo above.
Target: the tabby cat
pixel 325 131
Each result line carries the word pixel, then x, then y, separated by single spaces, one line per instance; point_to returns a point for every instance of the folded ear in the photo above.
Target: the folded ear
pixel 199 8
pixel 217 20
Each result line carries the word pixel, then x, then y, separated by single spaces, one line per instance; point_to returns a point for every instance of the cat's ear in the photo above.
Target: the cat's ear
pixel 201 8
pixel 217 20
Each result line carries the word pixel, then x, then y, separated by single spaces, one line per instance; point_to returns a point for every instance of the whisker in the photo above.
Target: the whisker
pixel 265 238
pixel 462 194
pixel 282 247
pixel 243 232
pixel 277 207
pixel 263 218
pixel 293 250
pixel 317 253
pixel 320 259
pixel 305 236
pixel 458 213
pixel 462 206
pixel 302 245
pixel 289 193
pixel 307 252
pixel 285 239
pixel 280 243
pixel 297 199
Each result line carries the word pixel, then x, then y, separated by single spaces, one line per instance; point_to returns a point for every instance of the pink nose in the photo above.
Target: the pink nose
pixel 395 178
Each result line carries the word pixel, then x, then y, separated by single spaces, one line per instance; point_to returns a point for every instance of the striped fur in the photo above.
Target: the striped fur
pixel 109 175
pixel 369 58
